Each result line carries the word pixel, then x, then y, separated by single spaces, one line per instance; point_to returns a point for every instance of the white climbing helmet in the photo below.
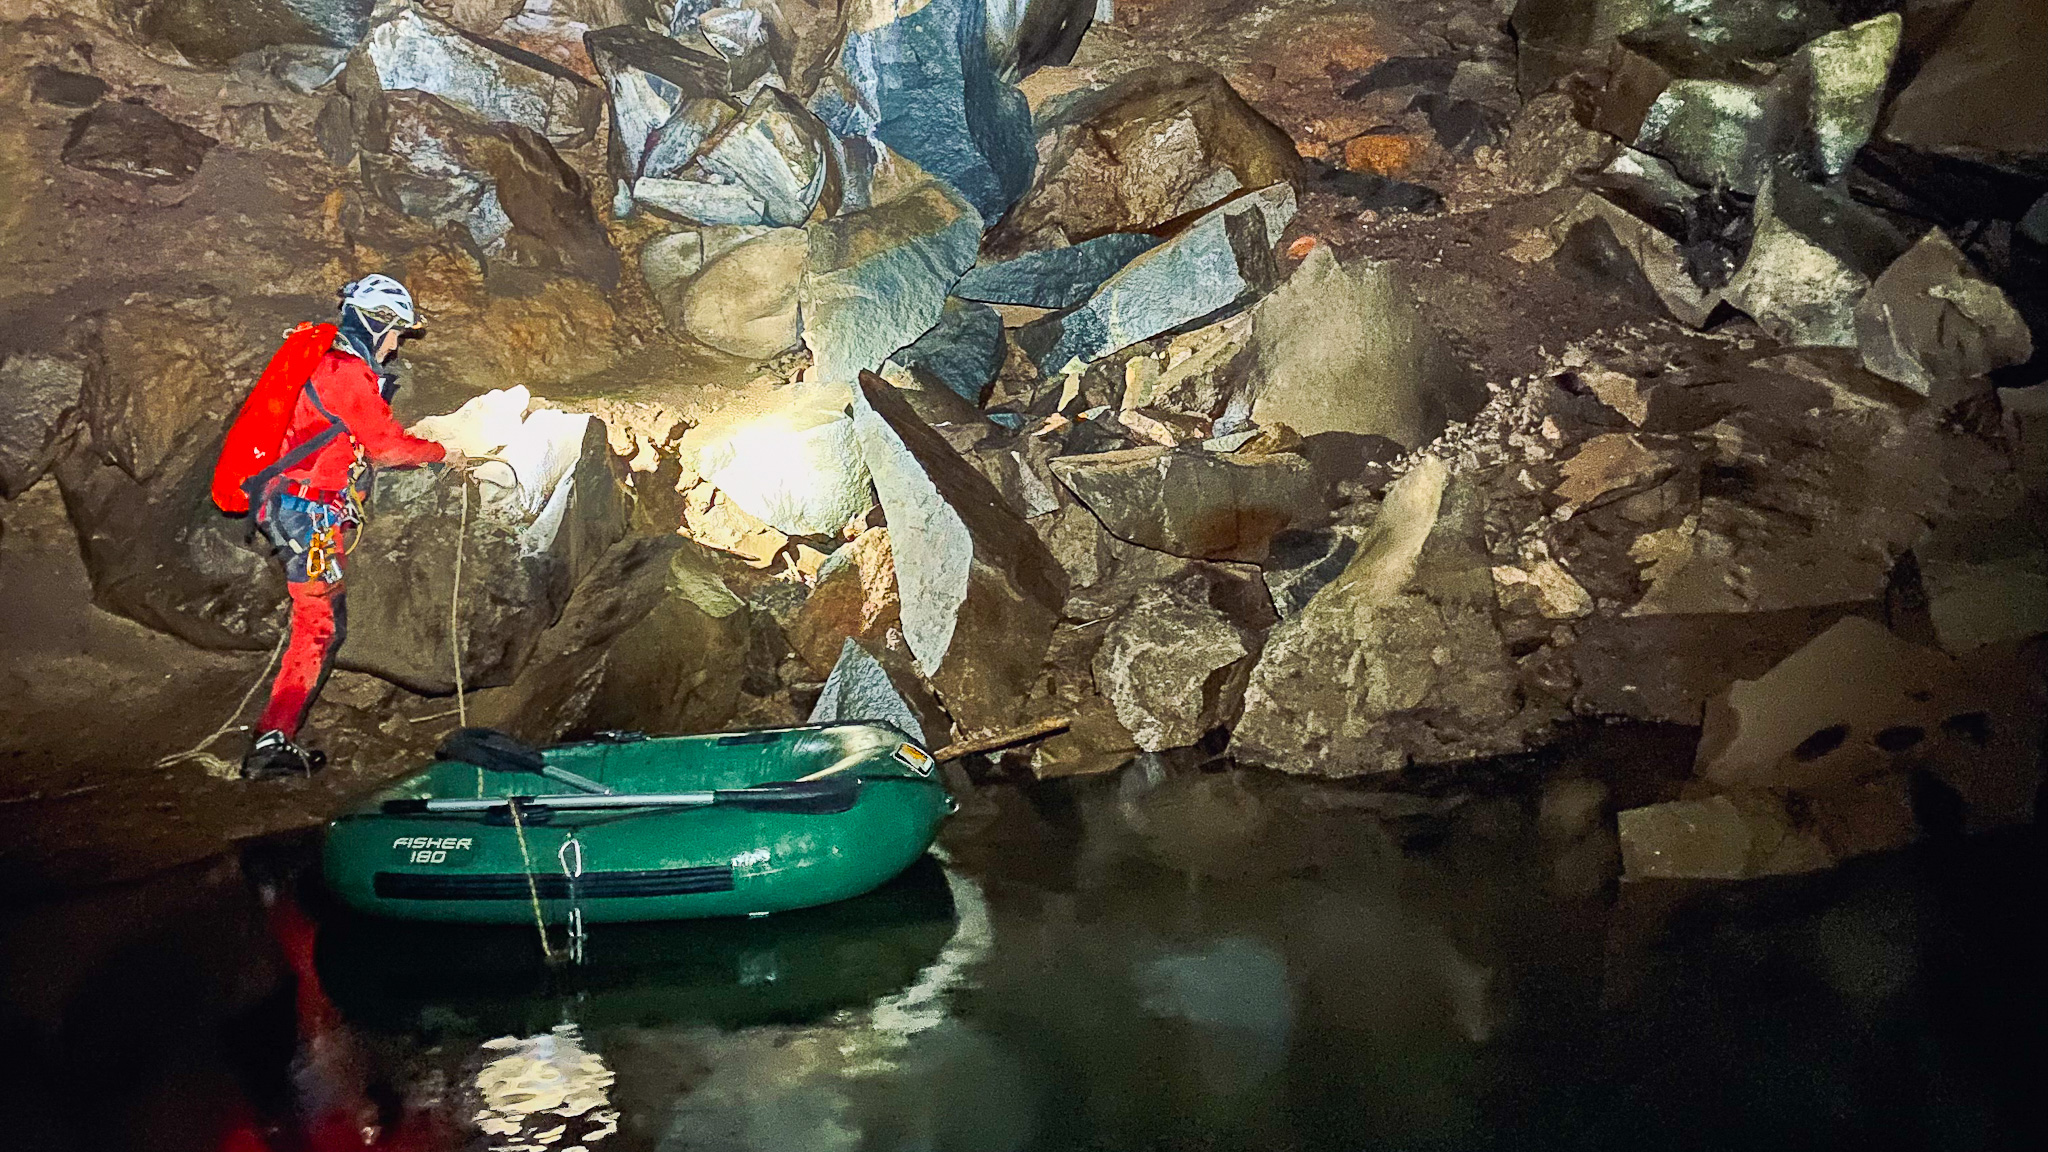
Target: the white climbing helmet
pixel 383 303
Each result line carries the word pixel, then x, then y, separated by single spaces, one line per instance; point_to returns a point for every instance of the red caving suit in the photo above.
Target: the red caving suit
pixel 312 504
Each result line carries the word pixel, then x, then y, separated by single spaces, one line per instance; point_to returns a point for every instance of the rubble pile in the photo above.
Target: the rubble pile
pixel 986 365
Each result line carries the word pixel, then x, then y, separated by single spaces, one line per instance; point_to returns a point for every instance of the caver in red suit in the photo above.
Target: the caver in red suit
pixel 310 509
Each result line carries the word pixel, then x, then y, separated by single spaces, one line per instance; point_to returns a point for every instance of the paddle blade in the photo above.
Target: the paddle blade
pixel 491 749
pixel 803 797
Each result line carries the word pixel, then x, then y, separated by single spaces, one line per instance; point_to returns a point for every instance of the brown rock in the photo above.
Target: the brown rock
pixel 1173 666
pixel 713 520
pixel 1166 143
pixel 1611 466
pixel 154 372
pixel 855 598
pixel 135 144
pixel 1718 838
pixel 1338 349
pixel 1223 506
pixel 1930 318
pixel 38 409
pixel 1398 660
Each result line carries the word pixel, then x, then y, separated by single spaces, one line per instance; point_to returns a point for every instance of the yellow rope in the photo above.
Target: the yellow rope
pixel 540 923
pixel 214 764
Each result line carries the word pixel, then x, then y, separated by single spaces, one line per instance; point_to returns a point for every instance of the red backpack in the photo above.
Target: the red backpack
pixel 249 458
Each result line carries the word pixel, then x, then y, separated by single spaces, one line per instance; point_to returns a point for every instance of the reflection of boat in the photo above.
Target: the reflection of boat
pixel 389 975
pixel 634 828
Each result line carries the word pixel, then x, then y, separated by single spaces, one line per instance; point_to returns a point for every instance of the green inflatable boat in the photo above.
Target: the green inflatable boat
pixel 628 827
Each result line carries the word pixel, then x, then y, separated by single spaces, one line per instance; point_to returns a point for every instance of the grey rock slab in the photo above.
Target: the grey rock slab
pixel 48 84
pixel 1172 666
pixel 877 279
pixel 667 265
pixel 1833 88
pixel 1715 132
pixel 1220 262
pixel 781 153
pixel 963 351
pixel 135 144
pixel 745 301
pixel 860 688
pixel 491 80
pixel 1623 249
pixel 1397 661
pixel 921 82
pixel 650 78
pixel 1055 277
pixel 672 145
pixel 1338 349
pixel 1814 254
pixel 705 198
pixel 520 563
pixel 1301 562
pixel 1212 505
pixel 38 406
pixel 1931 318
pixel 980 593
pixel 211 33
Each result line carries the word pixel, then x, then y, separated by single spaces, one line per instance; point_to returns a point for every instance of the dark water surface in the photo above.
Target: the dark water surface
pixel 1156 960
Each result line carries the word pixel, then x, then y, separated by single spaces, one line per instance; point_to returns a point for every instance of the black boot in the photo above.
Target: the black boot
pixel 272 755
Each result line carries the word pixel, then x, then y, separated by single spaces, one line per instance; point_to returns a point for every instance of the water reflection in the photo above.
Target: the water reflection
pixel 1168 958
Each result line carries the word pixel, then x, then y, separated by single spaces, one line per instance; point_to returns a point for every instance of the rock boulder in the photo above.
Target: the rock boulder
pixel 1211 505
pixel 980 594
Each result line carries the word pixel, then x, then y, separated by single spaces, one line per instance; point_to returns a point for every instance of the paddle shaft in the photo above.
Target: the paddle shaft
pixel 579 803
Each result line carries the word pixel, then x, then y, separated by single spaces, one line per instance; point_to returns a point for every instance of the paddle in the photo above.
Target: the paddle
pixel 822 797
pixel 494 751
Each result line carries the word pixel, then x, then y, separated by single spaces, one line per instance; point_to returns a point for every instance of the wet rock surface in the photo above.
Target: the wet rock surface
pixel 1379 397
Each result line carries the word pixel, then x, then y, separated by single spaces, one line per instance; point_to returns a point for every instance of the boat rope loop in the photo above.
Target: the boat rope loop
pixel 215 765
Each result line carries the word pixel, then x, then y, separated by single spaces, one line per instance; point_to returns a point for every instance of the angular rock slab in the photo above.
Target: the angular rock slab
pixel 649 77
pixel 520 563
pixel 920 82
pixel 1718 838
pixel 1339 349
pixel 489 79
pixel 963 351
pixel 651 641
pixel 798 468
pixel 1931 318
pixel 860 688
pixel 135 145
pixel 1982 93
pixel 1207 505
pixel 1173 667
pixel 854 599
pixel 1029 34
pixel 1815 719
pixel 211 33
pixel 1814 255
pixel 1055 277
pixel 877 279
pixel 980 593
pixel 1397 661
pixel 1715 132
pixel 1220 262
pixel 1653 254
pixel 1833 88
pixel 780 153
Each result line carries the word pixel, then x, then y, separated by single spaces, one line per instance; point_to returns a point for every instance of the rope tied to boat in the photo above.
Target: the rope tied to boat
pixel 540 924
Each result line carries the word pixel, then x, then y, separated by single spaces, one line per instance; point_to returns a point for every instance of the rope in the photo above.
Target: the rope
pixel 454 615
pixel 214 765
pixel 540 924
